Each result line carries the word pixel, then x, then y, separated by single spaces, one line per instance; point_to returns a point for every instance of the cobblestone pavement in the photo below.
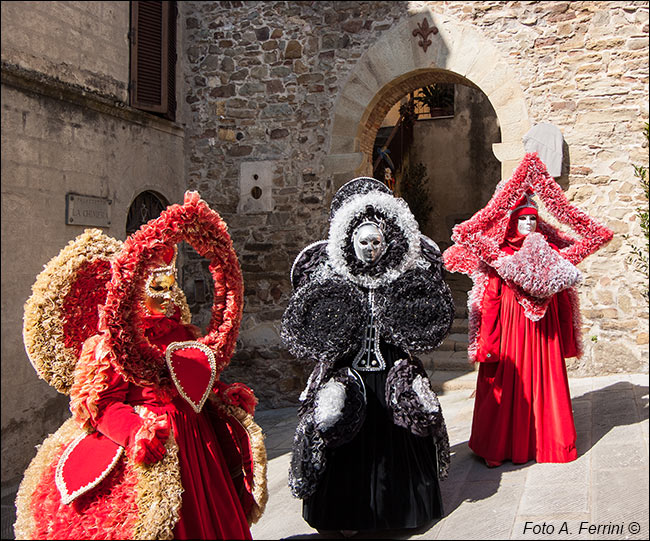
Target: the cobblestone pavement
pixel 601 495
pixel 605 489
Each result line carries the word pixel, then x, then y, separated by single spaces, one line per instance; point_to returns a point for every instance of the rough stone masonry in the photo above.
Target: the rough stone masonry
pixel 262 80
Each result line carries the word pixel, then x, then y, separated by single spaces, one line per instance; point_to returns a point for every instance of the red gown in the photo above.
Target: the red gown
pixel 522 409
pixel 211 507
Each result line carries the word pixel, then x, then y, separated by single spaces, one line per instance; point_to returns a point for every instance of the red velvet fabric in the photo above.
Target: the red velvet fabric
pixel 109 511
pixel 79 473
pixel 522 409
pixel 211 508
pixel 192 370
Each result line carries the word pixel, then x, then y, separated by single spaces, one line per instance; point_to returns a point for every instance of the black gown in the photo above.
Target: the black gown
pixel 385 478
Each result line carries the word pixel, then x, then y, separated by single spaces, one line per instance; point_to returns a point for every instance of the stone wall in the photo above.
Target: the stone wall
pixel 583 67
pixel 261 81
pixel 294 84
pixel 80 43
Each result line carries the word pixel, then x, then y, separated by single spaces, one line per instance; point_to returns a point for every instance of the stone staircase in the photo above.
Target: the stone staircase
pixel 448 366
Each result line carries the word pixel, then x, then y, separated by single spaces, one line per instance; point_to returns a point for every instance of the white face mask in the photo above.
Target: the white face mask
pixel 526 224
pixel 369 243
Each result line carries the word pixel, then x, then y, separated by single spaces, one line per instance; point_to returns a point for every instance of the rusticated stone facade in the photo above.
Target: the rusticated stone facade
pixel 303 87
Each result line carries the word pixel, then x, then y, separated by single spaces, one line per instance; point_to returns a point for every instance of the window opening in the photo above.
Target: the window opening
pixel 152 85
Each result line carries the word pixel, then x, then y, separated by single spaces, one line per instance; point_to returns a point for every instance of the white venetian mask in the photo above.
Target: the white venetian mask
pixel 369 243
pixel 526 224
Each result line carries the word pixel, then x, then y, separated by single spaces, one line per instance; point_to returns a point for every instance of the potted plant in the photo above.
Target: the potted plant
pixel 438 98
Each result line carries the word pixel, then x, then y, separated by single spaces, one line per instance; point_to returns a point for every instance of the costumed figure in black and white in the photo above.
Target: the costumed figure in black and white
pixel 371 444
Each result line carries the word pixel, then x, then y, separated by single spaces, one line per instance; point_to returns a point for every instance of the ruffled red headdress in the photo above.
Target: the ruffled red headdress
pixel 95 284
pixel 194 222
pixel 479 240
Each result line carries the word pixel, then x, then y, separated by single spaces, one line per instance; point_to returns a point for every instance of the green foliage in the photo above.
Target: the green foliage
pixel 639 257
pixel 436 96
pixel 413 188
pixel 407 113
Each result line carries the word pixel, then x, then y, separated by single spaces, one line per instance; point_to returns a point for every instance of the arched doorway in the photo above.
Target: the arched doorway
pixel 455 150
pixel 398 64
pixel 442 161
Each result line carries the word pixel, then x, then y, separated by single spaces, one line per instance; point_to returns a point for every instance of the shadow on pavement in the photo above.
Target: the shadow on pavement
pixel 595 414
pixel 598 412
pixel 379 534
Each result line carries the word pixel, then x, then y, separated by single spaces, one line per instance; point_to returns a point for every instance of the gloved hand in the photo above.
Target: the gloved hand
pixel 237 395
pixel 147 445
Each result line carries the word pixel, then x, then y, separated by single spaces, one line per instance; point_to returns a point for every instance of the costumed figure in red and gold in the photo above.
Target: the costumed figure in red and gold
pixel 524 315
pixel 157 447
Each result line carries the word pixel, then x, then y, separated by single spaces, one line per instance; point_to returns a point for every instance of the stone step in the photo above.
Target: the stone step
pixel 454 342
pixel 448 380
pixel 460 310
pixel 447 360
pixel 459 326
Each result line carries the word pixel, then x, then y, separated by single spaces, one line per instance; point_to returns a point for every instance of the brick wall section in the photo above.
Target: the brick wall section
pixel 264 81
pixel 392 94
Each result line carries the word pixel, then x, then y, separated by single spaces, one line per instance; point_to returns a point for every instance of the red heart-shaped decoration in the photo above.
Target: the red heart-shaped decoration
pixel 84 464
pixel 193 370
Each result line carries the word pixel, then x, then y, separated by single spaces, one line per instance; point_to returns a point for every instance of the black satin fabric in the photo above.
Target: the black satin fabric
pixel 385 478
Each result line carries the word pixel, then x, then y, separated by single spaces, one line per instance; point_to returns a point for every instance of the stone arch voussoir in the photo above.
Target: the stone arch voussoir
pixel 396 65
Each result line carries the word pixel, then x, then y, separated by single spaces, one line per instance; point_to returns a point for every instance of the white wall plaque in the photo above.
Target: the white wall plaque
pixel 87 210
pixel 255 187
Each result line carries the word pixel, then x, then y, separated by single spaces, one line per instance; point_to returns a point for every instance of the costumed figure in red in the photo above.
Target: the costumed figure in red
pixel 157 447
pixel 524 315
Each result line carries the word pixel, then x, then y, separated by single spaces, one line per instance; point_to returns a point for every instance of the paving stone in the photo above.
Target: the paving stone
pixel 621 496
pixel 615 403
pixel 584 442
pixel 618 456
pixel 580 405
pixel 549 499
pixel 575 473
pixel 580 386
pixel 506 473
pixel 494 507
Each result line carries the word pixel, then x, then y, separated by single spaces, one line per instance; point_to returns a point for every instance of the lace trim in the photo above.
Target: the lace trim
pixel 175 346
pixel 66 496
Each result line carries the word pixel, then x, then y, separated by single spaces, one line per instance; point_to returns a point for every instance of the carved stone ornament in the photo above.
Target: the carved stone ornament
pixel 424 30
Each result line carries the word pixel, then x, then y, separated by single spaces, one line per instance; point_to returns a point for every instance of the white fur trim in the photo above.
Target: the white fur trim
pixel 538 269
pixel 427 397
pixel 329 404
pixel 393 207
pixel 480 278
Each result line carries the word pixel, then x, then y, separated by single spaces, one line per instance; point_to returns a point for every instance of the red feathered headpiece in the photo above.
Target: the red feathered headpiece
pixel 479 238
pixel 194 222
pixel 478 241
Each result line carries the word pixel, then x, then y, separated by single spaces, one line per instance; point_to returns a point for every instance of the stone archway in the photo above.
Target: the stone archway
pixel 396 65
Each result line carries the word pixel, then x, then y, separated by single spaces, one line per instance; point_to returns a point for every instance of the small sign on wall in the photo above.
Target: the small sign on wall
pixel 256 187
pixel 87 210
